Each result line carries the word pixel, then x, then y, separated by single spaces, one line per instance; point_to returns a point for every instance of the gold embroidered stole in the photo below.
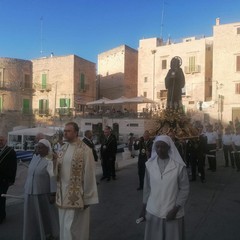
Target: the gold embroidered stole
pixel 74 193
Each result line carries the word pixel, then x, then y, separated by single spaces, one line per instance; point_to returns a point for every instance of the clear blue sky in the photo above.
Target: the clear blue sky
pixel 89 27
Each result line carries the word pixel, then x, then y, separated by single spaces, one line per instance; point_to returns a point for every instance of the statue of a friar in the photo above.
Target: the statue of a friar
pixel 174 82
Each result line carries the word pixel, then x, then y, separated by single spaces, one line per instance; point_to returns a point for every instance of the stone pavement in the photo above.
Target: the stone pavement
pixel 212 210
pixel 123 159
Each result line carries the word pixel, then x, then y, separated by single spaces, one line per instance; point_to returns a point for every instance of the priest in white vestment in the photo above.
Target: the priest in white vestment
pixel 76 185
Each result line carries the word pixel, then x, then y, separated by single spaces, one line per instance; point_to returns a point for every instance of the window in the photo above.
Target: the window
pixel 1 104
pixel 27 81
pixel 44 81
pixel 162 94
pixel 81 82
pixel 192 64
pixel 43 106
pixel 238 30
pixel 164 64
pixel 64 103
pixel 237 88
pixel 145 79
pixel 1 81
pixel 26 106
pixel 145 94
pixel 238 64
pixel 1 78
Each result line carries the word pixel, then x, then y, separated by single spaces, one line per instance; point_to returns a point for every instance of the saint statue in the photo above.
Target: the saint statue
pixel 174 82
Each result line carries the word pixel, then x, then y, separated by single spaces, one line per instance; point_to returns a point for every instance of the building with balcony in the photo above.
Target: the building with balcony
pixel 15 93
pixel 226 70
pixel 63 85
pixel 154 62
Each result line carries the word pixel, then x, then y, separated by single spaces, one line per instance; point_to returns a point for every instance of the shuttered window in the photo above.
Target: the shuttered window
pixel 192 63
pixel 44 81
pixel 238 64
pixel 26 106
pixel 43 106
pixel 82 82
pixel 64 102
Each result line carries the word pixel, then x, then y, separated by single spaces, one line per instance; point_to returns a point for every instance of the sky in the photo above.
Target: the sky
pixel 31 29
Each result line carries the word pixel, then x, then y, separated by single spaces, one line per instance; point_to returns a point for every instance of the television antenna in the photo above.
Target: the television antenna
pixel 41 50
pixel 162 18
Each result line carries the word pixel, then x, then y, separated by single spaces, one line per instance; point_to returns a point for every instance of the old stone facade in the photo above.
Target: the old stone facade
pixel 154 63
pixel 55 89
pixel 117 72
pixel 211 67
pixel 15 93
pixel 62 86
pixel 226 70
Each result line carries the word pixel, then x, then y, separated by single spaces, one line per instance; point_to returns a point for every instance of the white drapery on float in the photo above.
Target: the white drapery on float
pixel 22 138
pixel 121 100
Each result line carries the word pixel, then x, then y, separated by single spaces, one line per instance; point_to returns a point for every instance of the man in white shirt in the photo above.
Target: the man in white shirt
pixel 227 147
pixel 212 147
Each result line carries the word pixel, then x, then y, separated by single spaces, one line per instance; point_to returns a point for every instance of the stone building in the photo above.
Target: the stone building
pixel 63 85
pixel 211 67
pixel 15 93
pixel 117 72
pixel 226 70
pixel 154 62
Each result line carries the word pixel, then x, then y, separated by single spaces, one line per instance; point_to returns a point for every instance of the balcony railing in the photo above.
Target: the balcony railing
pixel 42 88
pixel 192 69
pixel 43 112
pixel 27 111
pixel 65 111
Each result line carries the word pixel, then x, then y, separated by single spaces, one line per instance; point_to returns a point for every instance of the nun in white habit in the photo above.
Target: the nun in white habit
pixel 40 213
pixel 166 189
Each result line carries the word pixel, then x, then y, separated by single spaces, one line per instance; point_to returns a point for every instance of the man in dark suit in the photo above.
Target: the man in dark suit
pixel 88 136
pixel 8 168
pixel 144 145
pixel 108 153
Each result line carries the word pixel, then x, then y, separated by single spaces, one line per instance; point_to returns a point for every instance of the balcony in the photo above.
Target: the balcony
pixel 27 111
pixel 6 86
pixel 192 69
pixel 43 112
pixel 65 111
pixel 43 88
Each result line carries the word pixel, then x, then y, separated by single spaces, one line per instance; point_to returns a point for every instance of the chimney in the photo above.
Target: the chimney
pixel 217 21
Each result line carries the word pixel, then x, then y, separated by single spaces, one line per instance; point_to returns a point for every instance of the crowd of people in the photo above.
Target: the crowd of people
pixel 61 182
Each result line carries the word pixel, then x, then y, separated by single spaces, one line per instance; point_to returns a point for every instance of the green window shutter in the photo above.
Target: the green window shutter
pixel 64 102
pixel 43 106
pixel 82 81
pixel 44 81
pixel 192 64
pixel 68 102
pixel 26 105
pixel 40 104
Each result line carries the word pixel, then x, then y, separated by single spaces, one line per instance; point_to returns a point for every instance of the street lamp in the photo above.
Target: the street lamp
pixel 153 52
pixel 220 99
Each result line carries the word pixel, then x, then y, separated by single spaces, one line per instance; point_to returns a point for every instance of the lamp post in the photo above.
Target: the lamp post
pixel 219 99
pixel 153 52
